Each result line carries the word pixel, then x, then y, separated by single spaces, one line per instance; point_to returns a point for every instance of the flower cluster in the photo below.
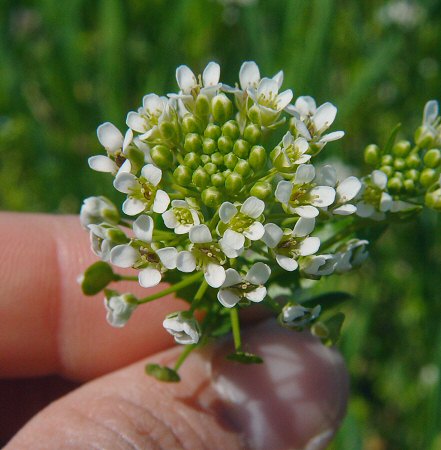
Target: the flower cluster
pixel 225 194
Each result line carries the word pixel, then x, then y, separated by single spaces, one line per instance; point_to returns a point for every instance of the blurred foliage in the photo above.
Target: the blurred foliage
pixel 65 67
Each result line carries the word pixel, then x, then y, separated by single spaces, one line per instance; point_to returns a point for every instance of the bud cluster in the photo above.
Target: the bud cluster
pixel 215 205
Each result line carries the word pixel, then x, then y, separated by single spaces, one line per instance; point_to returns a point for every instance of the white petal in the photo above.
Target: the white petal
pixel 143 228
pixel 152 174
pixel 232 278
pixel 162 200
pixel 233 239
pixel 326 176
pixel 185 262
pixel 283 99
pixel 133 206
pixel 102 163
pixel 110 137
pixel 267 88
pixel 123 256
pixel 431 110
pixel 386 202
pixel 179 204
pixel 278 78
pixel 200 234
pixel 283 191
pixel 307 211
pixel 211 74
pixel 227 211
pixel 258 274
pixel 322 196
pixel 183 228
pixel 306 105
pixel 303 227
pixel 334 136
pixel 227 298
pixel 287 263
pixel 136 122
pixel 324 116
pixel 257 295
pixel 169 219
pixel 128 138
pixel 126 166
pixel 364 209
pixel 124 182
pixel 186 79
pixel 348 189
pixel 249 75
pixel 302 129
pixel 305 174
pixel 214 275
pixel 149 277
pixel 309 246
pixel 379 178
pixel 168 257
pixel 252 207
pixel 255 231
pixel 344 210
pixel 288 139
pixel 272 236
pixel 153 104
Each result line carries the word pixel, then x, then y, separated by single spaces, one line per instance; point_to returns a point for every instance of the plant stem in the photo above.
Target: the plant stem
pixel 234 317
pixel 119 277
pixel 199 294
pixel 182 284
pixel 183 356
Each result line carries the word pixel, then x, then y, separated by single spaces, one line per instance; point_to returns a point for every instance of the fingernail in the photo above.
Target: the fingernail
pixel 294 400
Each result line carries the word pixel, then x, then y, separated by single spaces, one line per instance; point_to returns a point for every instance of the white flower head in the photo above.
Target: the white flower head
pixel 181 217
pixel 291 152
pixel 316 266
pixel 297 316
pixel 96 210
pixel 429 134
pixel 104 237
pixel 119 308
pixel 350 255
pixel 374 200
pixel 183 327
pixel 250 287
pixel 143 192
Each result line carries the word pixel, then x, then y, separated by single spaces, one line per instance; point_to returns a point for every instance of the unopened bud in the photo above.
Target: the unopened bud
pixel 409 186
pixel 209 146
pixel 217 158
pixel 162 156
pixel 254 115
pixel 182 175
pixel 372 154
pixel 210 168
pixel 432 158
pixel 212 131
pixel 191 124
pixel 242 168
pixel 230 161
pixel 211 197
pixel 231 129
pixel 387 160
pixel 401 149
pixel 413 161
pixel 192 143
pixel 399 164
pixel 412 174
pixel 167 130
pixel 225 144
pixel 218 179
pixel 388 170
pixel 233 183
pixel 394 185
pixel 424 137
pixel 192 160
pixel 433 199
pixel 252 134
pixel 202 105
pixel 427 177
pixel 200 178
pixel 222 108
pixel 257 158
pixel 241 148
pixel 261 189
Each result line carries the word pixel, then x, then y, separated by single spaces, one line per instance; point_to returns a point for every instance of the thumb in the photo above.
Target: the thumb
pixel 296 399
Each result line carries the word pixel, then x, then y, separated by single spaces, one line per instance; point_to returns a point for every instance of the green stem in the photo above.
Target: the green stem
pixel 126 223
pixel 118 277
pixel 183 356
pixel 184 190
pixel 199 294
pixel 176 287
pixel 234 317
pixel 214 221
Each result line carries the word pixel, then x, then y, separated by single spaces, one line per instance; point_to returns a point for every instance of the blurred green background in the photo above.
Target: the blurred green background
pixel 66 67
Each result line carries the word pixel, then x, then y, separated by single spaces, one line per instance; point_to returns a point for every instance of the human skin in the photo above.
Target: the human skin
pixel 56 346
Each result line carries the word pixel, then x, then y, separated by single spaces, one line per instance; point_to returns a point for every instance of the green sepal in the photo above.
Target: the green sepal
pixel 245 358
pixel 329 331
pixel 97 277
pixel 162 373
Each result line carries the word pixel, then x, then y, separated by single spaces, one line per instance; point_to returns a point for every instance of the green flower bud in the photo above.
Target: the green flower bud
pixel 252 134
pixel 211 197
pixel 162 156
pixel 167 130
pixel 231 129
pixel 412 174
pixel 193 143
pixel 96 278
pixel 409 186
pixel 394 185
pixel 261 189
pixel 387 160
pixel 399 163
pixel 399 175
pixel 182 175
pixel 200 178
pixel 254 115
pixel 209 146
pixel 202 105
pixel 210 168
pixel 372 154
pixel 401 149
pixel 225 144
pixel 117 236
pixel 205 159
pixel 191 124
pixel 222 108
pixel 226 172
pixel 192 160
pixel 136 157
pixel 427 177
pixel 242 168
pixel 217 158
pixel 213 131
pixel 218 179
pixel 424 137
pixel 432 158
pixel 241 148
pixel 230 161
pixel 388 170
pixel 413 161
pixel 233 183
pixel 432 199
pixel 257 158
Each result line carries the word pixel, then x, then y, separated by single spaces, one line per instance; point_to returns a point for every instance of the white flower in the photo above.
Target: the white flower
pixel 311 122
pixel 319 265
pixel 104 237
pixel 183 327
pixel 297 316
pixel 97 210
pixel 291 152
pixel 236 225
pixel 302 196
pixel 203 254
pixel 289 245
pixel 429 132
pixel 143 192
pixel 251 286
pixel 352 254
pixel 375 201
pixel 120 308
pixel 181 217
pixel 142 254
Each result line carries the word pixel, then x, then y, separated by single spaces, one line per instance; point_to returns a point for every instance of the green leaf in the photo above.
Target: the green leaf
pixel 96 278
pixel 391 140
pixel 332 326
pixel 245 358
pixel 328 300
pixel 162 373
